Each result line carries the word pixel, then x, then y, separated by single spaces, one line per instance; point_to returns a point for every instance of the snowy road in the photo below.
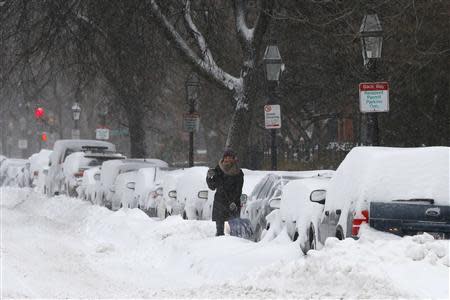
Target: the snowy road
pixel 66 248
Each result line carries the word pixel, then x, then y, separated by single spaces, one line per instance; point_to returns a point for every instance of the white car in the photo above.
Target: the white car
pixel 78 162
pixel 271 187
pixel 192 192
pixel 15 172
pixel 38 163
pixel 169 204
pixel 297 213
pixel 89 184
pixel 63 148
pixel 112 168
pixel 148 189
pixel 124 191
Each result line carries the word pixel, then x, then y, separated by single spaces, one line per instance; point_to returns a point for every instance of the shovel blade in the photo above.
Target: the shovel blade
pixel 241 228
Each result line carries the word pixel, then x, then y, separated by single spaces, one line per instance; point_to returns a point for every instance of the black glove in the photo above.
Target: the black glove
pixel 233 206
pixel 211 173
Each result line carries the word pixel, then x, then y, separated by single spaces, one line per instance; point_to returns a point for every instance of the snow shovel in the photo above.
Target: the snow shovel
pixel 241 228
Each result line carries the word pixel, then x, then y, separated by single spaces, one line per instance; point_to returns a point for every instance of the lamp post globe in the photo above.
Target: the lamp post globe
pixel 76 111
pixel 192 85
pixel 273 63
pixel 371 34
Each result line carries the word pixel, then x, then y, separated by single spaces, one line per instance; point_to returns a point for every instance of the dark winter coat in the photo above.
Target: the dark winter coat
pixel 228 188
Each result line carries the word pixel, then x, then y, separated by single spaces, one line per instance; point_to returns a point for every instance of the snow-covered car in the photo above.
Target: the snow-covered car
pixel 270 189
pixel 112 168
pixel 298 215
pixel 124 191
pixel 148 189
pixel 15 172
pixel 192 192
pixel 63 148
pixel 89 184
pixel 403 191
pixel 38 163
pixel 169 204
pixel 251 179
pixel 78 162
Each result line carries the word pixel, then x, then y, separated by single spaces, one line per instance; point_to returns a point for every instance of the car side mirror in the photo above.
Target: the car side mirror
pixel 318 196
pixel 244 199
pixel 173 194
pixel 131 185
pixel 274 203
pixel 97 177
pixel 203 194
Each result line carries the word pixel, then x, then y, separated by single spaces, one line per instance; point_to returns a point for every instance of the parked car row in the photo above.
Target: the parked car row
pixel 401 191
pixel 396 190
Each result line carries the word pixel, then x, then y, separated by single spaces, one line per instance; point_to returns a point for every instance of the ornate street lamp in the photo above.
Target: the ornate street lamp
pixel 273 63
pixel 273 66
pixel 371 34
pixel 76 111
pixel 192 85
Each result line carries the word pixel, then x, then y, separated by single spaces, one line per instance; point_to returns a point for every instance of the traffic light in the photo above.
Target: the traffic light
pixel 44 136
pixel 39 113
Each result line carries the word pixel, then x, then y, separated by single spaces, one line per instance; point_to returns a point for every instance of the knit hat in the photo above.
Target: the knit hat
pixel 230 153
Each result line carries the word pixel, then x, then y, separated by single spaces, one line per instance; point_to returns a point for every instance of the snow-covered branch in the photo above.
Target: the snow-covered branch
pixel 206 66
pixel 244 32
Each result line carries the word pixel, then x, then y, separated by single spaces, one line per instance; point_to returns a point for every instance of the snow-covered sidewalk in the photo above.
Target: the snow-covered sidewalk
pixel 63 247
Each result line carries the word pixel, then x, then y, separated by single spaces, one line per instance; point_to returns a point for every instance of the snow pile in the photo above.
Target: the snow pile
pixel 63 247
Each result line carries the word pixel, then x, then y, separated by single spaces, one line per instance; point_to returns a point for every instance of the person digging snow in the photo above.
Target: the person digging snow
pixel 227 179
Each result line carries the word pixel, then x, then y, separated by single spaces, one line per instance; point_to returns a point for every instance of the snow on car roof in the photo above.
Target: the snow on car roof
pixel 386 174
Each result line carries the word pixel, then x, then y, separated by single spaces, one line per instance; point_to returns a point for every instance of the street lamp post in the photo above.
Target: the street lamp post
pixel 371 34
pixel 273 67
pixel 76 111
pixel 192 89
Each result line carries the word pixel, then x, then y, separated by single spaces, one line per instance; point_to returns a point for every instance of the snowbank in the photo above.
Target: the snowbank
pixel 63 247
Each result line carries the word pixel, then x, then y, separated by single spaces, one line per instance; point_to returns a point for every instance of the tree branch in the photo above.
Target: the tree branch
pixel 205 67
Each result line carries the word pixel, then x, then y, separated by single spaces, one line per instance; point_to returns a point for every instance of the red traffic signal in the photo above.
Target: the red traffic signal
pixel 44 136
pixel 39 112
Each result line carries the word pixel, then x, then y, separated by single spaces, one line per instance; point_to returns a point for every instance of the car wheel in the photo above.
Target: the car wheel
pixel 339 233
pixel 166 213
pixel 185 215
pixel 295 237
pixel 257 234
pixel 312 239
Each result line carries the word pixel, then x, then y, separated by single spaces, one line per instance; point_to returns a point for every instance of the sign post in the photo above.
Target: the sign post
pixel 374 97
pixel 272 116
pixel 102 134
pixel 191 122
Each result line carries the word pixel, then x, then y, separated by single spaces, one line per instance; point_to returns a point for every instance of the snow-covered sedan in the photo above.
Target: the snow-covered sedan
pixel 192 192
pixel 112 168
pixel 89 184
pixel 38 163
pixel 123 191
pixel 271 187
pixel 169 204
pixel 63 148
pixel 148 189
pixel 298 214
pixel 15 172
pixel 77 163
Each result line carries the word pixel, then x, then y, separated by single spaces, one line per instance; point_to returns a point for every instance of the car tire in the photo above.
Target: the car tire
pixel 166 214
pixel 185 215
pixel 258 233
pixel 339 233
pixel 295 237
pixel 311 240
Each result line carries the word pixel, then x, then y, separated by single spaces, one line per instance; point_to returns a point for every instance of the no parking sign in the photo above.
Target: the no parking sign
pixel 272 114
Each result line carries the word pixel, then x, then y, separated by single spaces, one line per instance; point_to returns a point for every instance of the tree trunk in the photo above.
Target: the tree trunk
pixel 135 118
pixel 239 132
